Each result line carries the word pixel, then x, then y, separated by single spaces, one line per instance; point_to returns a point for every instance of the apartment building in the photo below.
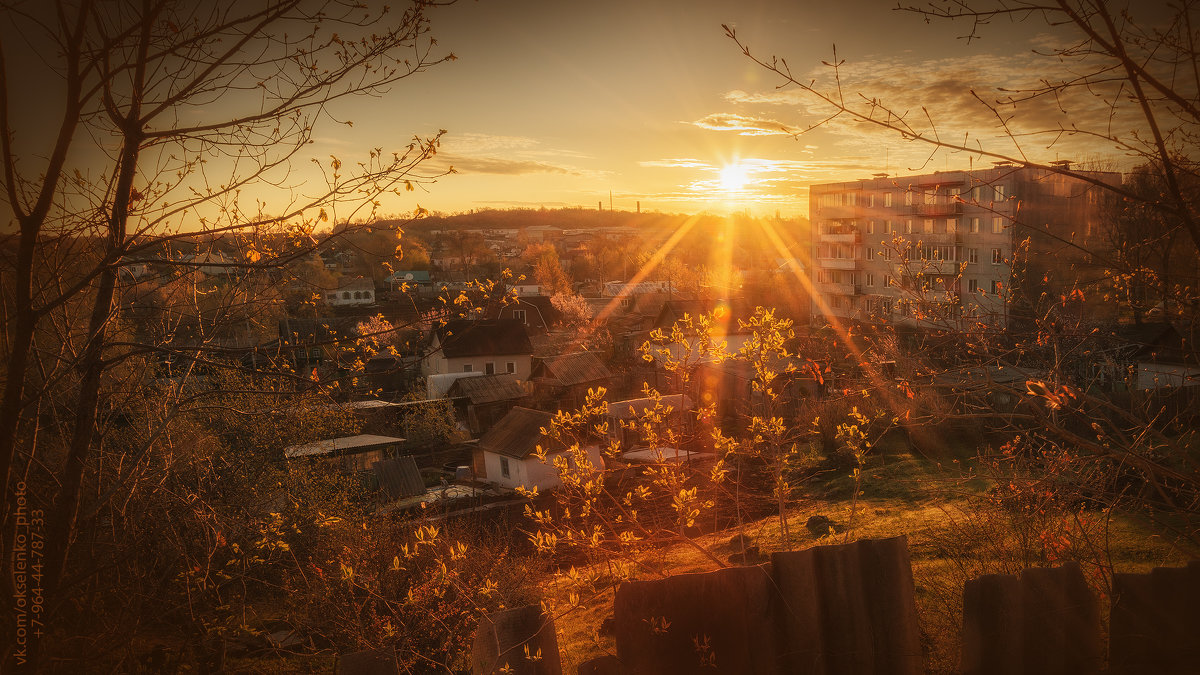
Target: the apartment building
pixel 952 247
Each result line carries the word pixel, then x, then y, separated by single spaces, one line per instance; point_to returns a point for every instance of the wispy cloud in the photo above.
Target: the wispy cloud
pixel 980 101
pixel 675 164
pixel 499 166
pixel 742 124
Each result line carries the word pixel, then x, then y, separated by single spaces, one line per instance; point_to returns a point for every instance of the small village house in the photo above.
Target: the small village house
pixel 505 454
pixel 488 346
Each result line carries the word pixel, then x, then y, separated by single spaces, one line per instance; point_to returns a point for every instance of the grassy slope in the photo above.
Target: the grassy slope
pixel 950 540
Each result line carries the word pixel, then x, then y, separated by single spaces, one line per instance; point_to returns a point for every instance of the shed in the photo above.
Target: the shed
pixel 399 477
pixel 484 400
pixel 350 454
pixel 505 454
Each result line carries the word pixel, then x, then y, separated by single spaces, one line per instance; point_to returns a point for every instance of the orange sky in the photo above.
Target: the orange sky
pixel 554 103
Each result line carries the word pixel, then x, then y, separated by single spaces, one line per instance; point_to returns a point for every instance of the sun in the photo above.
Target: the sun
pixel 734 178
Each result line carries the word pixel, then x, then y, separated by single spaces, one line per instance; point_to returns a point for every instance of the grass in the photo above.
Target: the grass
pixel 952 537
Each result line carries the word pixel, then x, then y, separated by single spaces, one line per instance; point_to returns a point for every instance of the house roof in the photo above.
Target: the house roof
pixel 357 284
pixel 415 276
pixel 466 337
pixel 517 434
pixel 573 369
pixel 488 388
pixel 399 477
pixel 629 409
pixel 341 446
pixel 728 313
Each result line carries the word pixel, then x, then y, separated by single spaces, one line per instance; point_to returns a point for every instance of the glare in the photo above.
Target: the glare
pixel 734 178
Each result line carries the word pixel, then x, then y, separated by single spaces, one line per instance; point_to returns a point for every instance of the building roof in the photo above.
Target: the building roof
pixel 488 337
pixel 356 284
pixel 341 446
pixel 727 313
pixel 629 409
pixel 399 477
pixel 572 369
pixel 517 434
pixel 414 276
pixel 488 388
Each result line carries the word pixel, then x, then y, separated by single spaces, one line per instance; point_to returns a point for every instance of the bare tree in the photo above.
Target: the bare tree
pixel 172 114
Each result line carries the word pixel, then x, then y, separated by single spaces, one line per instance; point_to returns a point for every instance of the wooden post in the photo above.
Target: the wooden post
pixel 1045 622
pixel 848 609
pixel 521 639
pixel 1155 625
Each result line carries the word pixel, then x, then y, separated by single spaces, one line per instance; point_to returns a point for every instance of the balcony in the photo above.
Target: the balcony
pixel 843 237
pixel 836 289
pixel 935 238
pixel 941 208
pixel 837 263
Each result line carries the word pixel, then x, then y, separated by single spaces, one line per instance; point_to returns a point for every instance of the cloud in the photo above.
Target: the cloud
pixel 676 164
pixel 982 101
pixel 467 164
pixel 744 125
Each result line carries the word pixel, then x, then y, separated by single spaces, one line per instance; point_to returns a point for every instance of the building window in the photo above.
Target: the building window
pixel 887 280
pixel 871 201
pixel 467 368
pixel 908 227
pixel 999 193
pixel 997 225
pixel 511 367
pixel 974 226
pixel 951 225
pixel 504 467
pixel 930 197
pixel 870 253
pixel 996 287
pixel 887 224
pixel 871 226
pixel 972 255
pixel 870 279
pixel 887 199
pixel 345 295
pixel 973 285
pixel 489 368
pixel 358 295
pixel 997 256
pixel 908 197
pixel 519 315
pixel 887 254
pixel 928 226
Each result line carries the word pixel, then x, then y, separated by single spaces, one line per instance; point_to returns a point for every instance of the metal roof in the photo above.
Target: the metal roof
pixel 572 369
pixel 517 434
pixel 399 477
pixel 341 446
pixel 488 388
pixel 635 407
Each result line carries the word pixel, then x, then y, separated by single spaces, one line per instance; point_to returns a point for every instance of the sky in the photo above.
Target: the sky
pixel 649 104
pixel 554 103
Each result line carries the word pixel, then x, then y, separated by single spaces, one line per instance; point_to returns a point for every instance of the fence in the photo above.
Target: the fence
pixel 850 610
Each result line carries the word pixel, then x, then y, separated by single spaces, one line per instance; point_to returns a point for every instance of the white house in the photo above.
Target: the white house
pixel 505 454
pixel 356 291
pixel 488 346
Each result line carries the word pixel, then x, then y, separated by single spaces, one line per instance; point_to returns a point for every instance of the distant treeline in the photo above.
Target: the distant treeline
pixel 567 218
